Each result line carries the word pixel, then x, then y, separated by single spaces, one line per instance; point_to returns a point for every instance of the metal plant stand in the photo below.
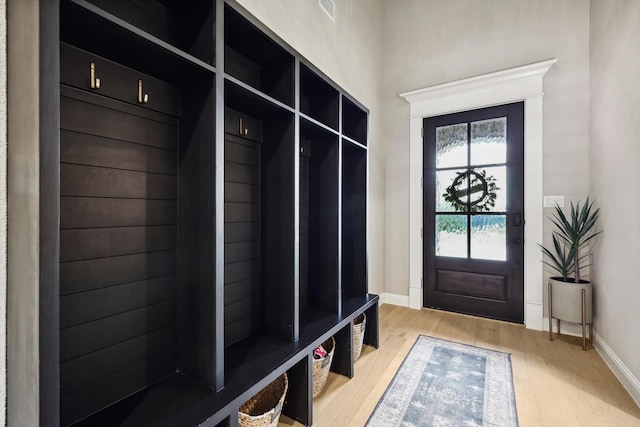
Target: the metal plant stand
pixel 584 319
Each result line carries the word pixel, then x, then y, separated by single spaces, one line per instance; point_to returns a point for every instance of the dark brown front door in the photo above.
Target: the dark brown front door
pixel 474 212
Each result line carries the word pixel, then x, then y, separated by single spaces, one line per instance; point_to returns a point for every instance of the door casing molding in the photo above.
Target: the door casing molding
pixel 523 83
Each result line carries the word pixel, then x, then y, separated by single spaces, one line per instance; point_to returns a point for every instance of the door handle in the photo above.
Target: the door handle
pixel 517 219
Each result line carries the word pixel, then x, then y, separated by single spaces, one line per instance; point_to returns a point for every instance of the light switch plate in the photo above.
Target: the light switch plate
pixel 552 201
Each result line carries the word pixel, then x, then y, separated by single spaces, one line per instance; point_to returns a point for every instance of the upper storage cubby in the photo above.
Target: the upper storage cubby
pixel 253 58
pixel 103 27
pixel 190 29
pixel 354 121
pixel 318 99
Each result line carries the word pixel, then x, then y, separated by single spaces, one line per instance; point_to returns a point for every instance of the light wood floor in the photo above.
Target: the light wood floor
pixel 556 383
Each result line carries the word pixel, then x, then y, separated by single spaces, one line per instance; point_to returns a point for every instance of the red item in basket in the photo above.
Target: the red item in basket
pixel 319 352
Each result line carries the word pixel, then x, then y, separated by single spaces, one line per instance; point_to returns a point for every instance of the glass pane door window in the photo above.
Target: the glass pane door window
pixel 471 189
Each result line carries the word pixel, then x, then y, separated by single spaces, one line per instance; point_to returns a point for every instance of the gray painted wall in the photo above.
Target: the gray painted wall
pixel 3 211
pixel 431 42
pixel 23 219
pixel 615 150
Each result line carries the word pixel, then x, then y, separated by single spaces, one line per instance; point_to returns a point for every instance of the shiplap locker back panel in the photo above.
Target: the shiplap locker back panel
pixel 242 233
pixel 118 244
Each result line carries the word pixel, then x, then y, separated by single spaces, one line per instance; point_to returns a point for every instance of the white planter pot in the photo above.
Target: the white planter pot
pixel 567 300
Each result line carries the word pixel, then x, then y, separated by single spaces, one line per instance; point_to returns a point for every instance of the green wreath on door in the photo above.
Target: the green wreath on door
pixel 480 189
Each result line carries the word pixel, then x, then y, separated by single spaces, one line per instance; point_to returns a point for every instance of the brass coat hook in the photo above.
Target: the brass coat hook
pixel 95 82
pixel 243 130
pixel 143 98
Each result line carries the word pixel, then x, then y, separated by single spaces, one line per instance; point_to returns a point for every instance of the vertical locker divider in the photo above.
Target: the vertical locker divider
pixel 296 204
pixel 340 207
pixel 343 359
pixel 197 247
pixel 219 197
pixel 298 404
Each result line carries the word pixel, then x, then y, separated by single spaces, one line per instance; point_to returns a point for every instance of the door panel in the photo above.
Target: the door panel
pixel 472 284
pixel 473 212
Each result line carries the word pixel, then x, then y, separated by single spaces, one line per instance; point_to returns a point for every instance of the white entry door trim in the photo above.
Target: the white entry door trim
pixel 523 83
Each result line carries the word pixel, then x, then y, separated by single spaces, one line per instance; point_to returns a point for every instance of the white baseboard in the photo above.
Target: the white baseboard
pixel 394 299
pixel 624 375
pixel 533 315
pixel 415 297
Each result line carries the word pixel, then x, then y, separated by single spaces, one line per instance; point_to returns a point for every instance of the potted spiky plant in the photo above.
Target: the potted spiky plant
pixel 567 301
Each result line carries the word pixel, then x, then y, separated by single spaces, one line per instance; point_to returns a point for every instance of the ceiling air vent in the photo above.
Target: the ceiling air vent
pixel 329 7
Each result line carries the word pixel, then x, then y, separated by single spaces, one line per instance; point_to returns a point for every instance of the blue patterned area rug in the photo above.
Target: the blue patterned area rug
pixel 442 383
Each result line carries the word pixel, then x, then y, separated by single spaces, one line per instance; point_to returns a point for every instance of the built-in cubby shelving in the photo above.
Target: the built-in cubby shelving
pixel 257 60
pixel 318 99
pixel 189 29
pixel 211 220
pixel 87 26
pixel 354 121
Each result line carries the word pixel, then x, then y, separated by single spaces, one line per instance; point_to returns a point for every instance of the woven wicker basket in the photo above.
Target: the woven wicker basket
pixel 359 324
pixel 264 408
pixel 321 367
